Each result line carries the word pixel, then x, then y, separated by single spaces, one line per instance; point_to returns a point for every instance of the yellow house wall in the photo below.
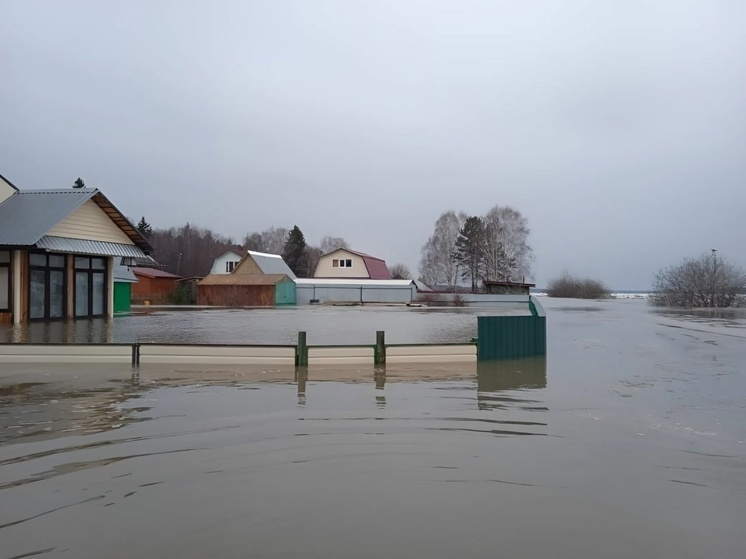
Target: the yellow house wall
pixel 5 190
pixel 247 266
pixel 326 270
pixel 90 222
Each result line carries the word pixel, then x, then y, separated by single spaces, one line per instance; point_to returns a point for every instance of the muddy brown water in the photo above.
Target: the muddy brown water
pixel 629 440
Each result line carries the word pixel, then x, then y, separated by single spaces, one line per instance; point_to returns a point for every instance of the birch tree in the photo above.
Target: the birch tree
pixel 437 265
pixel 508 254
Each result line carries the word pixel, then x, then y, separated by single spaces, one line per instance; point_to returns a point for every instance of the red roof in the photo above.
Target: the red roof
pixel 153 273
pixel 377 268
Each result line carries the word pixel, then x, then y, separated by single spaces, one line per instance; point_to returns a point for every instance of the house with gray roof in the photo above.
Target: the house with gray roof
pixel 58 250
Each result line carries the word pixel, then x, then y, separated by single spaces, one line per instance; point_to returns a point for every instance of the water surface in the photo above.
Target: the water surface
pixel 628 441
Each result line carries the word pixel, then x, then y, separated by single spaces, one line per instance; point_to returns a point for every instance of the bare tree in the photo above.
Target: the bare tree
pixel 330 244
pixel 707 281
pixel 270 240
pixel 508 255
pixel 188 250
pixel 437 266
pixel 400 271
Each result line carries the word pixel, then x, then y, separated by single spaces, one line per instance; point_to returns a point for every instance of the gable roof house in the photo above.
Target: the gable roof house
pixel 58 250
pixel 258 280
pixel 225 263
pixel 344 263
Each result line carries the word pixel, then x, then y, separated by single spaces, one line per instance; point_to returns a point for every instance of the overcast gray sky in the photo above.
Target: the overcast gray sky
pixel 617 128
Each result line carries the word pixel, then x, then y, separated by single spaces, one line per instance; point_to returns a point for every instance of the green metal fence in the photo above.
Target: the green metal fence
pixel 512 337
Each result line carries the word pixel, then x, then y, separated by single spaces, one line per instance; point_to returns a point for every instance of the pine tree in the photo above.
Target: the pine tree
pixel 470 250
pixel 78 183
pixel 294 252
pixel 144 228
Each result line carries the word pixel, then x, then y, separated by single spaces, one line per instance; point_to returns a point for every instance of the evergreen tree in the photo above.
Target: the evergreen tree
pixel 294 252
pixel 144 228
pixel 470 250
pixel 78 183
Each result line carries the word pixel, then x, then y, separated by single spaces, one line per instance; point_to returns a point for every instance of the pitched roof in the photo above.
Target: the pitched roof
pixel 27 215
pixel 376 267
pixel 242 279
pixel 153 273
pixel 271 263
pixel 123 274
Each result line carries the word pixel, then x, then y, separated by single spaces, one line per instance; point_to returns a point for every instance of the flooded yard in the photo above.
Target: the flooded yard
pixel 629 440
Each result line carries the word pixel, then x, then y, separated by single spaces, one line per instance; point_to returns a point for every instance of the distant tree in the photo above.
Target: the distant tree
pixel 294 252
pixel 270 240
pixel 400 271
pixel 437 266
pixel 470 252
pixel 329 244
pixel 144 228
pixel 78 183
pixel 508 255
pixel 312 257
pixel 577 288
pixel 188 250
pixel 707 281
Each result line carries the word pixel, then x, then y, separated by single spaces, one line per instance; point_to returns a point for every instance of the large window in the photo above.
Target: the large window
pixel 90 286
pixel 46 285
pixel 4 280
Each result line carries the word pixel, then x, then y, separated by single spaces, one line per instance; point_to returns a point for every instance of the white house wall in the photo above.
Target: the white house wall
pixel 89 221
pixel 218 265
pixel 326 270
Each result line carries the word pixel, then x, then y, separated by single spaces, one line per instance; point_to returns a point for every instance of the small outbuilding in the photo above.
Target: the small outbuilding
pixel 507 287
pixel 246 290
pixel 153 286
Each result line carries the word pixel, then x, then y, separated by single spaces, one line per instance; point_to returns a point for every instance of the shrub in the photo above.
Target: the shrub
pixel 180 295
pixel 577 288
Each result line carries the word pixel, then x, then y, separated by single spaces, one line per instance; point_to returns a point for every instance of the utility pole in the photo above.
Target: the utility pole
pixel 714 274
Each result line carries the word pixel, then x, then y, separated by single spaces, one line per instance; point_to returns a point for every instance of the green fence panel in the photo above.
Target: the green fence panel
pixel 510 337
pixel 285 293
pixel 122 297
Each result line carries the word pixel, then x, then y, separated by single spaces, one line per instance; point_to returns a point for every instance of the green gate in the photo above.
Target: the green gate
pixel 285 292
pixel 122 296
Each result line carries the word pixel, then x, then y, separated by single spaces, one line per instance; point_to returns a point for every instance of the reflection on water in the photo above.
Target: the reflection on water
pixel 511 375
pixel 94 330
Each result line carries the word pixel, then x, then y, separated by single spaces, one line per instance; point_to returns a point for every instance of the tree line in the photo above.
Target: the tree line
pixel 189 250
pixel 466 249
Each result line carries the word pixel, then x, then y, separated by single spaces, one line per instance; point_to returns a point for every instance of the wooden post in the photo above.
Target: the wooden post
pixel 301 351
pixel 380 351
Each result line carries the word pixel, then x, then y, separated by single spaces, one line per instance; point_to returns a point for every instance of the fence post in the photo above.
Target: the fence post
pixel 379 355
pixel 135 355
pixel 301 351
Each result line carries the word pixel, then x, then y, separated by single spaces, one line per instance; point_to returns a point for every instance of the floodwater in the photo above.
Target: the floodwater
pixel 628 441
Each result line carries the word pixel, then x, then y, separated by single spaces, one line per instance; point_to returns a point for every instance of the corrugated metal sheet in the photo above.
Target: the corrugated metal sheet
pixel 511 337
pixel 123 274
pixel 84 246
pixel 271 263
pixel 355 291
pixel 26 217
pixel 242 279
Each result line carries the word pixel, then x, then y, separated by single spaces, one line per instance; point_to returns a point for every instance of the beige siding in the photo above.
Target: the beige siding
pixel 90 222
pixel 5 190
pixel 326 268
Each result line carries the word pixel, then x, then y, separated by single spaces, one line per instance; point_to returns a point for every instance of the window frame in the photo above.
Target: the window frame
pixel 7 265
pixel 47 269
pixel 91 271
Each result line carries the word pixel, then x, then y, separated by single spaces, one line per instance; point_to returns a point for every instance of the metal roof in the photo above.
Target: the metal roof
pixel 333 282
pixel 123 274
pixel 153 273
pixel 271 263
pixel 28 215
pixel 242 279
pixel 85 246
pixel 25 217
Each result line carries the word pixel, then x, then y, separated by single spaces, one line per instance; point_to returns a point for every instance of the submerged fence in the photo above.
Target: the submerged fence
pixel 499 337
